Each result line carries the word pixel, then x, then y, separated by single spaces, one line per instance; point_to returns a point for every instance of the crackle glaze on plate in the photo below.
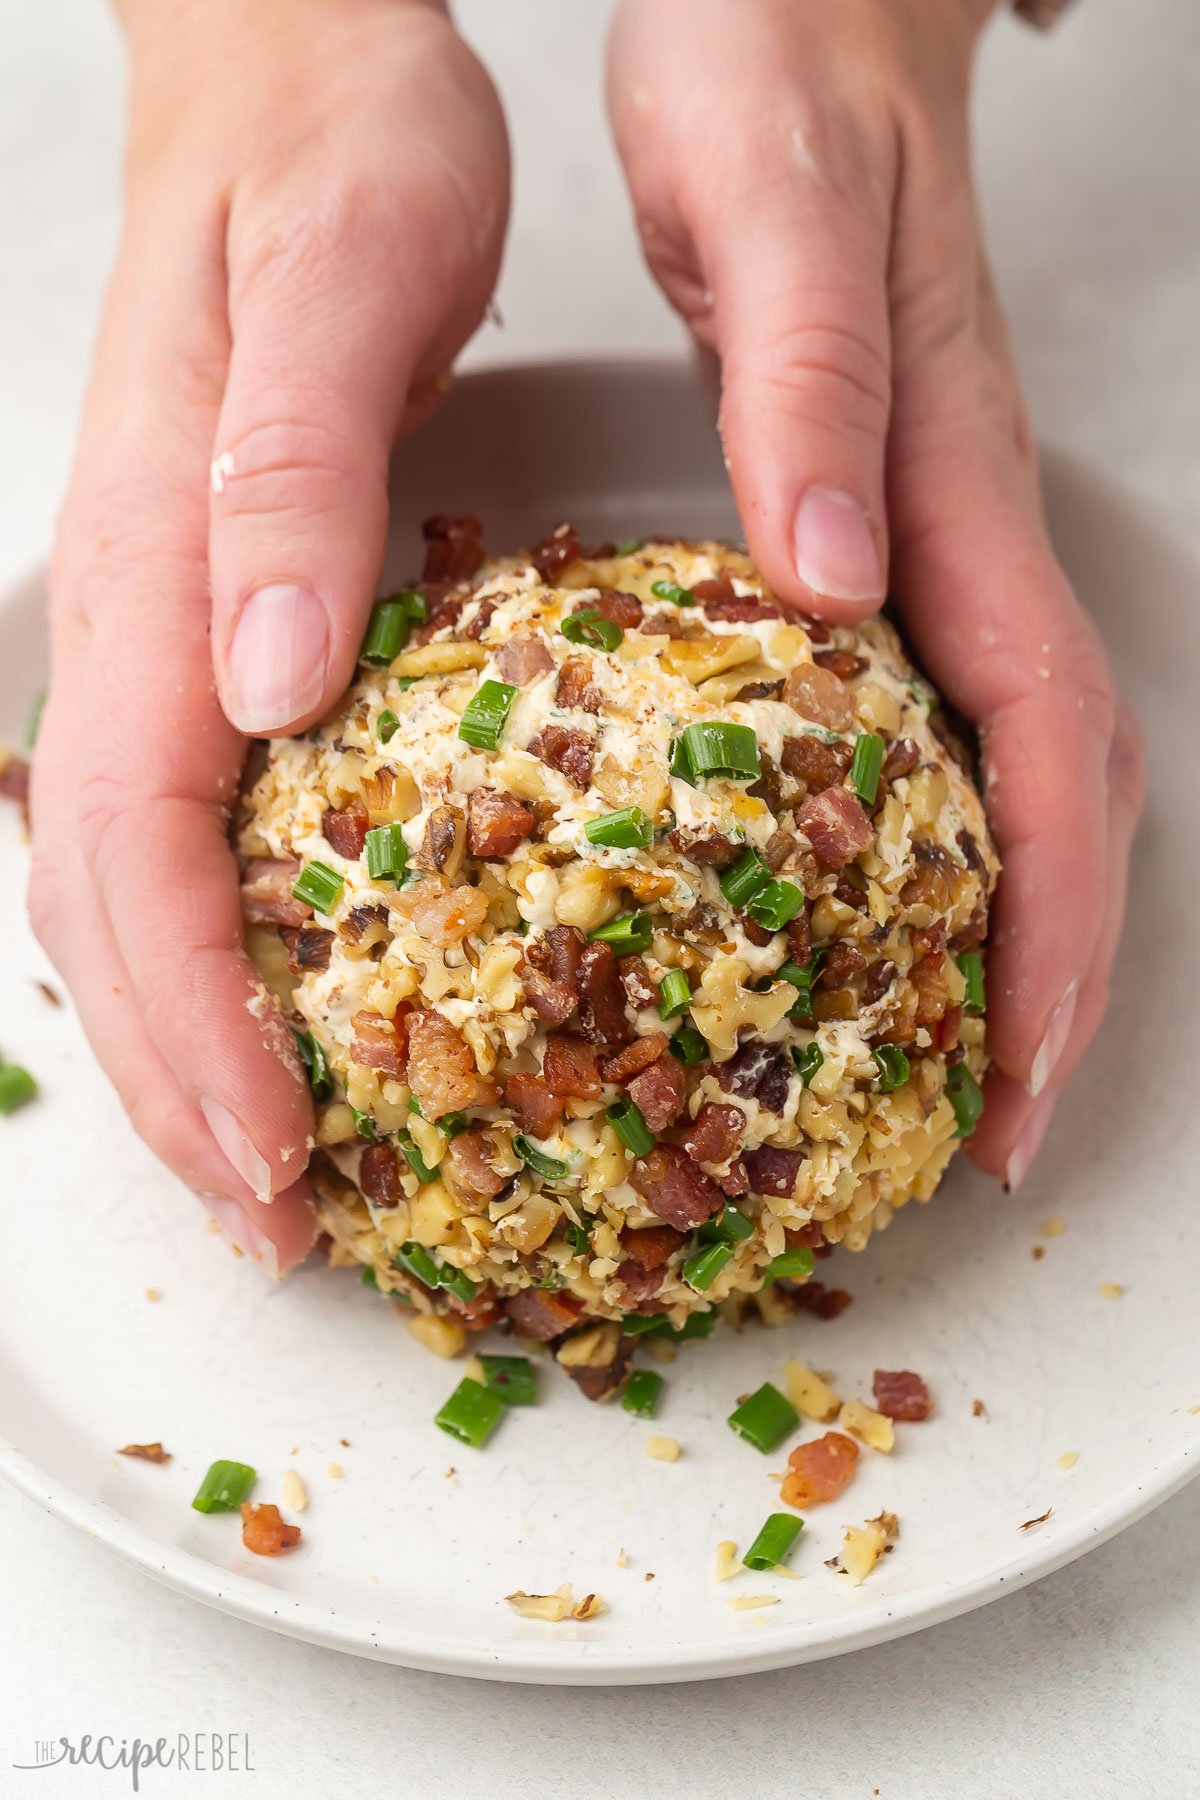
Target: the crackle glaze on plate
pixel 407 1561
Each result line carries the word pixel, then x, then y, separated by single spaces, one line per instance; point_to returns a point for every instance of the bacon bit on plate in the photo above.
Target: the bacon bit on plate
pixel 901 1394
pixel 146 1452
pixel 264 1531
pixel 1038 1251
pixel 824 1301
pixel 979 1410
pixel 542 1314
pixel 1040 1520
pixel 862 1547
pixel 819 1470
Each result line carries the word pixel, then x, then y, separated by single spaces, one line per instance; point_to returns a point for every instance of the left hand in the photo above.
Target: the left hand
pixel 801 179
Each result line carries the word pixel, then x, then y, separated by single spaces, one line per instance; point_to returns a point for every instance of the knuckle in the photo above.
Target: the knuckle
pixel 1129 756
pixel 822 372
pixel 302 452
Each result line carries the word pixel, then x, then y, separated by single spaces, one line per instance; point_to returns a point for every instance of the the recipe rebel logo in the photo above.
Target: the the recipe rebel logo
pixel 188 1752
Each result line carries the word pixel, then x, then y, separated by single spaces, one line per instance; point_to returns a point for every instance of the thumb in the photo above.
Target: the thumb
pixel 798 276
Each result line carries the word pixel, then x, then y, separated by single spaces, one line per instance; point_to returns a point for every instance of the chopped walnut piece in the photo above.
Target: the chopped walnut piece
pixel 871 1428
pixel 146 1452
pixel 809 1394
pixel 862 1547
pixel 555 1607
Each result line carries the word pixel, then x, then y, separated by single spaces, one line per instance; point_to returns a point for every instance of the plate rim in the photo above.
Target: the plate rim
pixel 548 1662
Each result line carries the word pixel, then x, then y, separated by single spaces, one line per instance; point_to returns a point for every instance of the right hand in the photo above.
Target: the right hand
pixel 315 205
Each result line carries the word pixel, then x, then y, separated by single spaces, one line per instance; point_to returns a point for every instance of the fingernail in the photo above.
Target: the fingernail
pixel 1027 1145
pixel 235 1142
pixel 240 1230
pixel 835 548
pixel 277 660
pixel 1049 1052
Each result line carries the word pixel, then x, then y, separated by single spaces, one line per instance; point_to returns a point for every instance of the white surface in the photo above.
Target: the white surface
pixel 404 1565
pixel 1088 152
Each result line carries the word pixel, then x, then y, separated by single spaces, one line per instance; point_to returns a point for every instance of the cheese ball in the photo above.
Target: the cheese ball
pixel 630 925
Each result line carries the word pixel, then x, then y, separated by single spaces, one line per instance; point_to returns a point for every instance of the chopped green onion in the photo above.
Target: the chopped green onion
pixel 775 904
pixel 17 1087
pixel 415 1260
pixel 671 590
pixel 369 1279
pixel 487 709
pixel 625 1117
pixel 743 879
pixel 34 721
pixel 788 1266
pixel 773 1542
pixel 865 766
pixel 966 1097
pixel 452 1124
pixel 716 747
pixel 689 1046
pixel 802 978
pixel 698 1325
pixel 224 1488
pixel 387 853
pixel 893 1067
pixel 626 933
pixel 414 1159
pixel 807 1061
pixel 471 1413
pixel 702 1269
pixel 404 682
pixel 553 1278
pixel 318 886
pixel 643 1391
pixel 674 994
pixel 727 1227
pixel 388 628
pixel 387 725
pixel 629 547
pixel 764 1418
pixel 579 1239
pixel 315 1066
pixel 970 967
pixel 628 829
pixel 638 1324
pixel 591 627
pixel 511 1377
pixel 550 1168
pixel 456 1281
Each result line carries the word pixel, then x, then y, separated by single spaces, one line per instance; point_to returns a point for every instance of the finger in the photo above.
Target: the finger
pixel 1013 1123
pixel 791 226
pixel 343 303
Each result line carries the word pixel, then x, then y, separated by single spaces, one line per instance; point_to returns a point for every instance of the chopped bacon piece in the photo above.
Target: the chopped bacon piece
pixel 929 940
pixel 928 976
pixel 346 831
pixel 453 547
pixel 819 1470
pixel 879 979
pixel 773 1171
pixel 711 849
pixel 835 825
pixel 715 1133
pixel 559 953
pixel 720 602
pixel 659 1092
pixel 496 822
pixel 945 1034
pixel 734 1179
pixel 482 1310
pixel 805 1237
pixel 441 1068
pixel 674 1188
pixel 309 948
pixel 817 694
pixel 481 620
pixel 824 1302
pixel 551 1000
pixel 901 759
pixel 639 1286
pixel 600 1380
pixel 569 751
pixel 842 663
pixel 542 1313
pixel 622 609
pixel 844 959
pixel 469 1164
pixel 267 892
pixel 264 1531
pixel 442 610
pixel 522 659
pixel 635 1057
pixel 799 939
pixel 652 1247
pixel 553 554
pixel 379 1175
pixel 381 1043
pixel 602 1017
pixel 640 991
pixel 528 1096
pixel 818 764
pixel 576 687
pixel 901 1394
pixel 146 1452
pixel 760 1071
pixel 14 779
pixel 569 1067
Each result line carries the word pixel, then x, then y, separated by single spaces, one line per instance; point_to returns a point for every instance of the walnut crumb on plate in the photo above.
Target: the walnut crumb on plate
pixel 146 1452
pixel 553 1608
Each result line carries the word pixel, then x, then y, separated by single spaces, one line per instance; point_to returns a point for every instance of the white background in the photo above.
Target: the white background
pixel 1080 1686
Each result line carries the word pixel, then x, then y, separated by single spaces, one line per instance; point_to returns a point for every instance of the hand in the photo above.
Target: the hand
pixel 316 200
pixel 800 174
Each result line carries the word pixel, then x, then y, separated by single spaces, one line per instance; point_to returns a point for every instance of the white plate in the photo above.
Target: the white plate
pixel 403 1562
